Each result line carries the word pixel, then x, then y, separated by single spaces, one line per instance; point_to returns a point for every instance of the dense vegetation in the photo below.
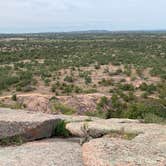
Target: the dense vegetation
pixel 151 111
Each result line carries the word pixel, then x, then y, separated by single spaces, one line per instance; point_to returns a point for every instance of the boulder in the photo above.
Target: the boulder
pixel 30 126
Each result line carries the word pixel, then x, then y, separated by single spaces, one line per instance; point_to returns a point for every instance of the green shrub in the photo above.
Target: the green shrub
pixel 88 80
pixel 92 90
pixel 60 130
pixel 63 108
pixel 135 111
pixel 47 81
pixel 126 87
pixel 148 88
pixel 145 95
pixel 97 113
pixel 122 134
pixel 15 140
pixel 69 79
pixel 28 88
pixel 105 82
pixel 149 111
pixel 53 88
pixel 97 66
pixel 152 118
pixel 14 97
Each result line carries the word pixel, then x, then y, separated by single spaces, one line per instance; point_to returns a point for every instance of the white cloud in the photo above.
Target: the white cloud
pixel 65 14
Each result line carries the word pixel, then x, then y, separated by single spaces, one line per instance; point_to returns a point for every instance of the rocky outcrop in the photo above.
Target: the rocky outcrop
pixel 41 103
pixel 31 125
pixel 50 152
pixel 34 126
pixel 110 143
pixel 118 152
pixel 148 148
pixel 35 103
pixel 83 102
pixel 99 127
pixel 28 125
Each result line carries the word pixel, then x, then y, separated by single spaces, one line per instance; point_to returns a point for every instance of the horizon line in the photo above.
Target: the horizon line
pixel 90 31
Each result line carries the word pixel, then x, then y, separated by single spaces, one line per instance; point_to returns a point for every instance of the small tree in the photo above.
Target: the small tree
pixel 14 97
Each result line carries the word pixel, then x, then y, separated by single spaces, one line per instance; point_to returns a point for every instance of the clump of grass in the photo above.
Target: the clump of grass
pixel 60 130
pixel 99 114
pixel 152 118
pixel 88 120
pixel 64 109
pixel 9 141
pixel 122 134
pixel 59 107
pixel 87 136
pixel 15 105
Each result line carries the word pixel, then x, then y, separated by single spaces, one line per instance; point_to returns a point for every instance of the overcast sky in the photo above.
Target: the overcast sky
pixel 72 15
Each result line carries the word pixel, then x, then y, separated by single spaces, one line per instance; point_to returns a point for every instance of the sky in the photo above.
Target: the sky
pixel 20 16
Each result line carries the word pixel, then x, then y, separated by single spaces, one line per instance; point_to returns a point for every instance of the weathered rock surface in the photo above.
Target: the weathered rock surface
pixel 82 102
pixel 30 126
pixel 36 103
pixel 114 151
pixel 41 103
pixel 51 152
pixel 99 127
pixel 146 149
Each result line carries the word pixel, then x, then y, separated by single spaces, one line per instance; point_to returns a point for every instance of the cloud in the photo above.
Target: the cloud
pixel 29 15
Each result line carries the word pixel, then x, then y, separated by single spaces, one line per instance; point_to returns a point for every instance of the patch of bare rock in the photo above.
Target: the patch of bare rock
pixel 34 126
pixel 49 152
pixel 147 148
pixel 41 103
pixel 28 125
pixel 31 125
pixel 107 143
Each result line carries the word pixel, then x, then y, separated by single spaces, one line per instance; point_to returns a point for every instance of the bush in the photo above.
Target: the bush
pixel 53 88
pixel 148 88
pixel 63 108
pixel 150 111
pixel 145 95
pixel 105 82
pixel 126 87
pixel 69 79
pixel 152 118
pixel 14 97
pixel 47 81
pixel 135 111
pixel 60 130
pixel 28 88
pixel 88 80
pixel 15 140
pixel 108 108
pixel 97 66
pixel 93 90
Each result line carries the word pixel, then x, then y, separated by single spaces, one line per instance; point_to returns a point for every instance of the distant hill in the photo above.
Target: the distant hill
pixel 87 32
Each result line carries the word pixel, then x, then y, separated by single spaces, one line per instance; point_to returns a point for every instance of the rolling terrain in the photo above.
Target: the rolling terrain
pixel 125 73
